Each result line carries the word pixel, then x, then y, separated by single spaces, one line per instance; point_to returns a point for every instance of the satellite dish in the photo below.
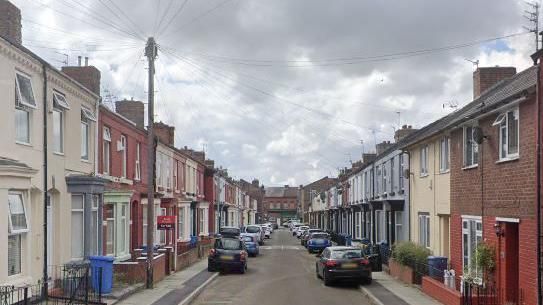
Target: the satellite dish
pixel 478 135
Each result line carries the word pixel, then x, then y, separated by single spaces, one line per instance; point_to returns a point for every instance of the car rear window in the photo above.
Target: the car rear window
pixel 319 235
pixel 247 239
pixel 252 229
pixel 229 244
pixel 346 254
pixel 230 231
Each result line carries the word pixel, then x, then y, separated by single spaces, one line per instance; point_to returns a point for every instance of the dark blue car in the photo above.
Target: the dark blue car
pixel 318 241
pixel 251 244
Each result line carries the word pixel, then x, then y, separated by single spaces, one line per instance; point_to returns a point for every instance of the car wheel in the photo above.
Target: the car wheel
pixel 327 280
pixel 366 281
pixel 317 271
pixel 211 268
pixel 243 269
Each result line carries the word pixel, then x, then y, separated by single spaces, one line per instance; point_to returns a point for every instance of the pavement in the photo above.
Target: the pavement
pixel 283 273
pixel 179 288
pixel 385 290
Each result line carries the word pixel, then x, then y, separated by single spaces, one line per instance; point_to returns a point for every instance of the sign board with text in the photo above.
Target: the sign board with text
pixel 165 222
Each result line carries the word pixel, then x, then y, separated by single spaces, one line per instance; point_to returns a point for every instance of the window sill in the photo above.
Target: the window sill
pixel 23 143
pixel 441 172
pixel 470 167
pixel 423 175
pixel 58 153
pixel 85 161
pixel 508 159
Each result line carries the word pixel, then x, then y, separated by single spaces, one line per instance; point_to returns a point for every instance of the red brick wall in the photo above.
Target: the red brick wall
pixel 506 189
pixel 401 272
pixel 440 292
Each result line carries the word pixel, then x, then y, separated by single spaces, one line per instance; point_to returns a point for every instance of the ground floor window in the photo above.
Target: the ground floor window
pixel 161 234
pixel 398 225
pixel 181 223
pixel 472 235
pixel 14 254
pixel 357 228
pixel 424 229
pixel 78 226
pixel 116 216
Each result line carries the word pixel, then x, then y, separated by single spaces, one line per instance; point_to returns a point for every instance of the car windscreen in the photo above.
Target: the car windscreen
pixel 346 254
pixel 252 229
pixel 319 235
pixel 230 231
pixel 247 239
pixel 229 244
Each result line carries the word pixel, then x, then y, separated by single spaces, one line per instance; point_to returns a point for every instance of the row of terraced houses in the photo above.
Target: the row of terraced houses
pixel 71 162
pixel 471 177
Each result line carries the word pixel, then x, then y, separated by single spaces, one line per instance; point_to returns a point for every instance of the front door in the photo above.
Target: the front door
pixel 511 287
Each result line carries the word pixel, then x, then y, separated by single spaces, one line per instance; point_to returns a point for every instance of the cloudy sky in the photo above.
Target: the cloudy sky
pixel 285 90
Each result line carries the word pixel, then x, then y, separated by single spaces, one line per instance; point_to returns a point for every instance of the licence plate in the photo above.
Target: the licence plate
pixel 227 257
pixel 348 266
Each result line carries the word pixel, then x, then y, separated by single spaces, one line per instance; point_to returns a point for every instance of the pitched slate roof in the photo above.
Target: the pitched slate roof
pixel 280 191
pixel 498 95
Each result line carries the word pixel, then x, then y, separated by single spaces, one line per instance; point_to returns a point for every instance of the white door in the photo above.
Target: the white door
pixel 50 227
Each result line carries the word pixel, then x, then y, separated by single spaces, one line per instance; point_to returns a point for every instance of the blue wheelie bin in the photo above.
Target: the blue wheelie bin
pixel 436 266
pixel 102 266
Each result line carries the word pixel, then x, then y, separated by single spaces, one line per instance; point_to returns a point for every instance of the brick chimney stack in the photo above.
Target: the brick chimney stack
pixel 381 147
pixel 403 132
pixel 132 110
pixel 88 76
pixel 165 133
pixel 486 77
pixel 10 22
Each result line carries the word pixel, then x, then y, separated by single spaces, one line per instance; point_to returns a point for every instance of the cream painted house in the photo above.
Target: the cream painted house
pixel 67 193
pixel 430 189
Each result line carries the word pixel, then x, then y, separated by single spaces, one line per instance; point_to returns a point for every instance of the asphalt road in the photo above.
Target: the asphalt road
pixel 283 274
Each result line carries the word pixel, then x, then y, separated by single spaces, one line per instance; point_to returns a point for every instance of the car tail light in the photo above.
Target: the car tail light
pixel 364 261
pixel 242 255
pixel 212 252
pixel 331 263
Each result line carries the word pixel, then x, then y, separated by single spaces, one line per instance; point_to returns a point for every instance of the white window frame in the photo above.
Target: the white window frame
pixel 159 170
pixel 398 225
pixel 424 230
pixel 384 178
pixel 111 230
pixel 137 172
pixel 424 160
pixel 181 223
pixel 176 175
pixel 358 225
pixel 444 154
pixel 474 147
pixel 503 121
pixel 82 211
pixel 85 136
pixel 124 156
pixel 18 90
pixel 468 250
pixel 19 258
pixel 401 181
pixel 106 150
pixel 58 148
pixel 380 233
pixel 22 198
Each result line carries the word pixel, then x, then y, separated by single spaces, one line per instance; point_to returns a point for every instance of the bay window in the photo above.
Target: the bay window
pixel 78 226
pixel 508 124
pixel 181 223
pixel 17 227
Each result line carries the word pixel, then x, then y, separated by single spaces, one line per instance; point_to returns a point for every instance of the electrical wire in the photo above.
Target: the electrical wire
pixel 173 18
pixel 136 26
pixel 119 18
pixel 165 14
pixel 345 60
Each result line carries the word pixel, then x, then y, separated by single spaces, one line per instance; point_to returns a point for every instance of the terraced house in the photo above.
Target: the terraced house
pixel 47 161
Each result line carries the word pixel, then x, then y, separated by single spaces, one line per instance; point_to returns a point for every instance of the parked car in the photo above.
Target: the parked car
pixel 275 226
pixel 343 263
pixel 251 244
pixel 318 241
pixel 270 226
pixel 267 231
pixel 305 237
pixel 301 230
pixel 227 254
pixel 256 231
pixel 230 232
pixel 294 228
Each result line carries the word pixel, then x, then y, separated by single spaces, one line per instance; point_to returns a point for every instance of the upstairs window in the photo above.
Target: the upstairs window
pixel 24 91
pixel 24 103
pixel 471 148
pixel 392 186
pixel 106 151
pixel 59 106
pixel 124 156
pixel 86 118
pixel 137 174
pixel 402 169
pixel 508 123
pixel 424 160
pixel 444 154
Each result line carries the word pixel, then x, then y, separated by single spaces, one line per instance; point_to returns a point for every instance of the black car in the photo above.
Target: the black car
pixel 343 263
pixel 230 232
pixel 227 254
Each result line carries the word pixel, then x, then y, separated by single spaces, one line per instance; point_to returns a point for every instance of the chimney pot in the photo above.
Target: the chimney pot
pixel 79 61
pixel 86 61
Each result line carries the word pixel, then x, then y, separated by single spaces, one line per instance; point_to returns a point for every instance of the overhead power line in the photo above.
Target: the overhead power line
pixel 344 60
pixel 173 17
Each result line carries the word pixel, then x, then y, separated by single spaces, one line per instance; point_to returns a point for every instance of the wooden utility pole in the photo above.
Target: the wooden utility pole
pixel 151 54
